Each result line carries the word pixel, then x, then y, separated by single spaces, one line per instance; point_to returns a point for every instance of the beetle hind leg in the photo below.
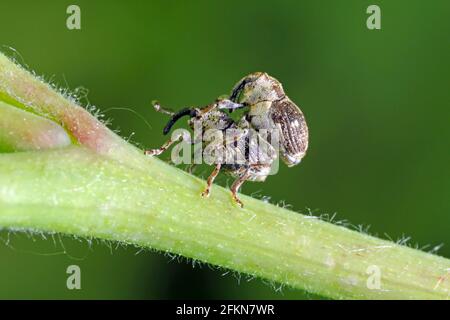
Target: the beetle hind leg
pixel 236 186
pixel 255 172
pixel 210 180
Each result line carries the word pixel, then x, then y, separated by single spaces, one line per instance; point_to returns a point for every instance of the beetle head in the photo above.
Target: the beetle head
pixel 257 87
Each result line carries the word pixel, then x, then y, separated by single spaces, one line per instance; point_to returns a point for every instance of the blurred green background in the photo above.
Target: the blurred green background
pixel 377 104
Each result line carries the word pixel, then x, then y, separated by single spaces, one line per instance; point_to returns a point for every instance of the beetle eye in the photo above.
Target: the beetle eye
pixel 194 113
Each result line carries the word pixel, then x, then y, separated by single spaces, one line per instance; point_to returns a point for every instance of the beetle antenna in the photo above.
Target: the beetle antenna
pixel 176 116
pixel 158 108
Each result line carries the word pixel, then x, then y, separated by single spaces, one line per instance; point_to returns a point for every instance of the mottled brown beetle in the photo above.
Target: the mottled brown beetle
pixel 269 110
pixel 242 142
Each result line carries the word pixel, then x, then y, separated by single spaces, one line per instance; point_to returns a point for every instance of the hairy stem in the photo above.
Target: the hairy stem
pixel 101 186
pixel 21 130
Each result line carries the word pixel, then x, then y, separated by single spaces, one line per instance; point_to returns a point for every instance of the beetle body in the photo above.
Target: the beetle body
pixel 247 152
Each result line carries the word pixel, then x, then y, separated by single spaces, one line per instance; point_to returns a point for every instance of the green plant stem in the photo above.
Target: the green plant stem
pixel 117 193
pixel 21 130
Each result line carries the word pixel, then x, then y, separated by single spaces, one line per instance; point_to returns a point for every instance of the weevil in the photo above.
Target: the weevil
pixel 268 109
pixel 236 148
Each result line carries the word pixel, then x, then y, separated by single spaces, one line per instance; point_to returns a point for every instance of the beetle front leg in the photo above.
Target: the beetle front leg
pixel 159 108
pixel 210 180
pixel 228 104
pixel 181 135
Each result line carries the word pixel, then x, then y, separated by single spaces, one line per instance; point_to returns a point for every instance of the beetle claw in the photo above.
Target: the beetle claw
pixel 151 152
pixel 205 193
pixel 238 201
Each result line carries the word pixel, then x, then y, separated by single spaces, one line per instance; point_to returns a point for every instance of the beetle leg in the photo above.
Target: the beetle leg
pixel 228 104
pixel 220 104
pixel 182 135
pixel 210 181
pixel 236 185
pixel 159 108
